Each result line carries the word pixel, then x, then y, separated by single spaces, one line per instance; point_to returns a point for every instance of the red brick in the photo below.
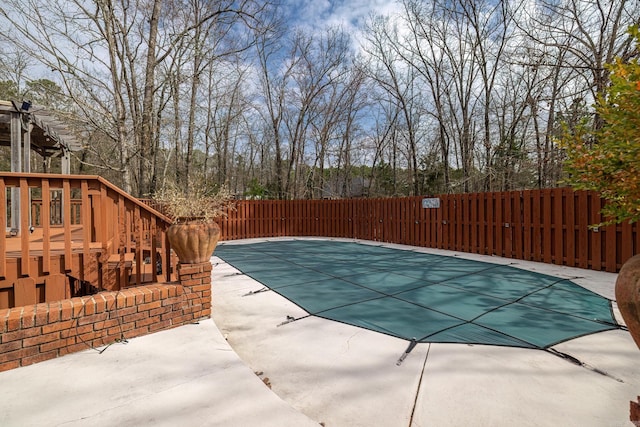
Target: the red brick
pixel 121 301
pixel 75 331
pixel 204 275
pixel 121 329
pixel 55 345
pixel 41 314
pixel 97 302
pixel 146 322
pixel 109 300
pixel 77 306
pixel 148 294
pixel 207 266
pixel 190 282
pixel 99 342
pixel 40 339
pixel 115 332
pixel 18 354
pixel 73 349
pixel 39 358
pixel 89 307
pixel 106 324
pixel 121 312
pixel 54 312
pixel 136 317
pixel 150 306
pixel 159 311
pixel 170 315
pixel 140 298
pixel 9 365
pixel 196 303
pixel 160 325
pixel 20 334
pixel 131 299
pixel 88 337
pixel 28 316
pixel 10 346
pixel 634 412
pixel 59 326
pixel 185 269
pixel 171 301
pixel 66 310
pixel 182 320
pixel 94 318
pixel 4 316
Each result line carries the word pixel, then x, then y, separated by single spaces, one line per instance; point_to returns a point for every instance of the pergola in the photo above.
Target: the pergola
pixel 26 128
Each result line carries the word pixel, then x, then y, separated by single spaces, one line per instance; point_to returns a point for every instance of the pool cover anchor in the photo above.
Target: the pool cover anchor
pixel 579 362
pixel 412 345
pixel 264 289
pixel 291 319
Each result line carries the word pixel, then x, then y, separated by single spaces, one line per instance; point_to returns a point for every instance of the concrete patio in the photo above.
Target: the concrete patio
pixel 216 373
pixel 347 376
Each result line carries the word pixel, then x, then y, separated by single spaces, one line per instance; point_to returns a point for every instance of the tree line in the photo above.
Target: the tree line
pixel 442 96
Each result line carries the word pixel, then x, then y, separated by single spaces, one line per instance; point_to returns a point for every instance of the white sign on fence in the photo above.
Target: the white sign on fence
pixel 430 203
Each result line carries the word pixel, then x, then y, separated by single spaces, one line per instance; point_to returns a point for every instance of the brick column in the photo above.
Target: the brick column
pixel 196 281
pixel 634 413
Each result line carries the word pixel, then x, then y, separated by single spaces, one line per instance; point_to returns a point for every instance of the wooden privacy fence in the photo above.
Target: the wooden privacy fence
pixel 551 225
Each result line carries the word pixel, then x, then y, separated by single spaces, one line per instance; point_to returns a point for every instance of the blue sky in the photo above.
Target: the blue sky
pixel 350 14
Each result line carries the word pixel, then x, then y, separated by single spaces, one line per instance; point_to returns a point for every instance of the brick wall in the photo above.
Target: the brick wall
pixel 35 333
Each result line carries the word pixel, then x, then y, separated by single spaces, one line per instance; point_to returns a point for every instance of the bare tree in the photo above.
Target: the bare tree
pixel 391 72
pixel 589 33
pixel 100 49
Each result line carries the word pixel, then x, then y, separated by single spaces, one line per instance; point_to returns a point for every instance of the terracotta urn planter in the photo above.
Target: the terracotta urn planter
pixel 628 295
pixel 194 241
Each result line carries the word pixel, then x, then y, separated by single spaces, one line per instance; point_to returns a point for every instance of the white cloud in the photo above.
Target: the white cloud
pixel 348 14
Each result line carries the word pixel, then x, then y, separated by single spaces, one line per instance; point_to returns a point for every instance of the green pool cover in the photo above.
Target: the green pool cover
pixel 423 297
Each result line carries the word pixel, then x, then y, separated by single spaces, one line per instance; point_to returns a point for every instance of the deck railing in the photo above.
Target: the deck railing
pixel 551 225
pixel 98 233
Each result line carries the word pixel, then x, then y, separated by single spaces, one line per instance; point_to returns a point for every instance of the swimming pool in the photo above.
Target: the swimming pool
pixel 423 297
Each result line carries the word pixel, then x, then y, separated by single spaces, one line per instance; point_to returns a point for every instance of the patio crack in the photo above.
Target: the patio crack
pixel 415 400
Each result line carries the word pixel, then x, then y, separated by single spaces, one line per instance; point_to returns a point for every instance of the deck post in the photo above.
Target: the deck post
pixel 16 166
pixel 66 162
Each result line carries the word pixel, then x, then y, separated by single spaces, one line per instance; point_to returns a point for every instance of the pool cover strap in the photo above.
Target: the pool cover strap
pixel 412 345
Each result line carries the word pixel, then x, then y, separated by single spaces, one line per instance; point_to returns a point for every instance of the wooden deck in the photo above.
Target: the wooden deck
pixel 76 234
pixel 56 242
